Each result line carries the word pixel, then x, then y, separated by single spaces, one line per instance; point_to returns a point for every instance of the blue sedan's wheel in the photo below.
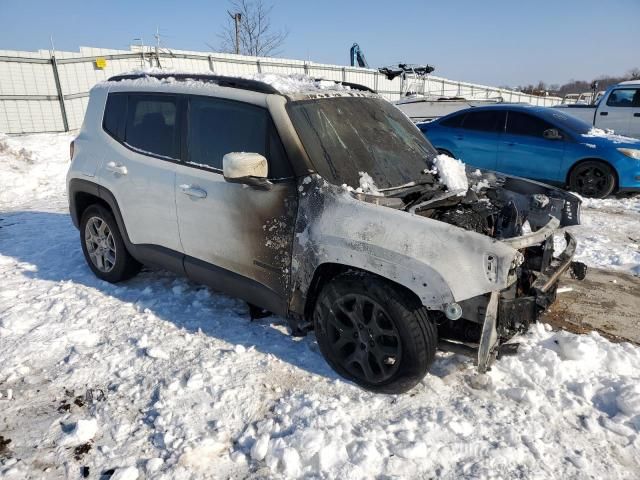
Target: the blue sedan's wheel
pixel 592 179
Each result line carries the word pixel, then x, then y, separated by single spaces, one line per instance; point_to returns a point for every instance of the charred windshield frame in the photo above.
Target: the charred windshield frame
pixel 361 134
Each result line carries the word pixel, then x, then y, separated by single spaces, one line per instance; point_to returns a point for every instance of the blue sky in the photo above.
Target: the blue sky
pixel 496 42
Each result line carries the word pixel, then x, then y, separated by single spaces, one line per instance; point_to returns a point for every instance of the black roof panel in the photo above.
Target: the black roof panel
pixel 223 81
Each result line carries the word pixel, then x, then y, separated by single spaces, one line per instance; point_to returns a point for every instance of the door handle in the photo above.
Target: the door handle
pixel 193 191
pixel 636 114
pixel 604 114
pixel 117 168
pixel 459 137
pixel 511 144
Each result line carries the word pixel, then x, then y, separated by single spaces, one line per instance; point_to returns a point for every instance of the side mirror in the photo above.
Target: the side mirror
pixel 248 168
pixel 552 134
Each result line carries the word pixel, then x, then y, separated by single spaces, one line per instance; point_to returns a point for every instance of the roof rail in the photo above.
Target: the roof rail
pixel 226 81
pixel 223 81
pixel 354 86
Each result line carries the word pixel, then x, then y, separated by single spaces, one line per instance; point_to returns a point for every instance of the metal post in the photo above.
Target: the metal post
pixel 237 18
pixel 63 108
pixel 258 65
pixel 375 81
pixel 211 64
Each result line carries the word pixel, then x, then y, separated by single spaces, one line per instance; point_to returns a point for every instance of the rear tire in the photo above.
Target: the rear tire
pixel 442 151
pixel 592 179
pixel 374 333
pixel 103 246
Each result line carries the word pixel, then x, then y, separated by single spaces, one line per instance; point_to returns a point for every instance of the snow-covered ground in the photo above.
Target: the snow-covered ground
pixel 162 378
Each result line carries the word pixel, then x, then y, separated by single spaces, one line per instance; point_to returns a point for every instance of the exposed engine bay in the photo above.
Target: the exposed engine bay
pixel 495 205
pixel 511 210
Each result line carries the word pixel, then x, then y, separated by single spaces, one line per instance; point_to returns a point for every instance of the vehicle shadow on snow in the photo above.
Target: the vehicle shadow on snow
pixel 47 247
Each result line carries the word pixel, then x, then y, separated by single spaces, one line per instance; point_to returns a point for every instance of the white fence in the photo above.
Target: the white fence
pixel 48 92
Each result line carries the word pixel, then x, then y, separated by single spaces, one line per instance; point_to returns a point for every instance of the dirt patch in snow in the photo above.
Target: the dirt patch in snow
pixel 4 446
pixel 606 301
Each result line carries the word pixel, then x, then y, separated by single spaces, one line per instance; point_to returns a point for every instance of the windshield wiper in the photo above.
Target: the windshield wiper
pixel 406 186
pixel 399 187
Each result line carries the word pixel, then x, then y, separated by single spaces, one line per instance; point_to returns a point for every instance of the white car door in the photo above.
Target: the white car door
pixel 616 113
pixel 139 169
pixel 236 238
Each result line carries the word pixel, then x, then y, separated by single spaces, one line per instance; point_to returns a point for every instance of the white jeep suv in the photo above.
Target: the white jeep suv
pixel 317 201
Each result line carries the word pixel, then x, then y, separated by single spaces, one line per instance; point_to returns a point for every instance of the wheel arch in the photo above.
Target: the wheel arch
pixel 594 159
pixel 325 272
pixel 445 151
pixel 83 193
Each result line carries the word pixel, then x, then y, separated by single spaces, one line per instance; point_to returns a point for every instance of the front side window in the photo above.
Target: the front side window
pixel 485 121
pixel 218 127
pixel 519 123
pixel 151 124
pixel 622 97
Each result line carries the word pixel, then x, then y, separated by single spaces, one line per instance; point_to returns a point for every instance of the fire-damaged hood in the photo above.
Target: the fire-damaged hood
pixel 444 247
pixel 499 206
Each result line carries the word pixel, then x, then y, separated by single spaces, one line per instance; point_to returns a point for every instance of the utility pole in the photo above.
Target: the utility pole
pixel 236 17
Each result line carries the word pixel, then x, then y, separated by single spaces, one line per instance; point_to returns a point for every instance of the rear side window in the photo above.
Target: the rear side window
pixel 520 123
pixel 485 120
pixel 151 124
pixel 454 122
pixel 115 114
pixel 218 127
pixel 622 97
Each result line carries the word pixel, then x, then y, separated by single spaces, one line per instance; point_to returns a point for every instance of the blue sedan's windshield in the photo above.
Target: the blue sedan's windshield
pixel 566 122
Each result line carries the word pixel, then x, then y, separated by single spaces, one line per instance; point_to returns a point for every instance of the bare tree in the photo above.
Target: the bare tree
pixel 257 37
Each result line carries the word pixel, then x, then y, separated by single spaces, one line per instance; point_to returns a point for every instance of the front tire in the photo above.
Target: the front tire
pixel 374 333
pixel 103 246
pixel 593 179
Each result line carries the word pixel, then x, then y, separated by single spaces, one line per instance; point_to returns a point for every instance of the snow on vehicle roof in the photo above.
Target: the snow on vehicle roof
pixel 630 82
pixel 293 84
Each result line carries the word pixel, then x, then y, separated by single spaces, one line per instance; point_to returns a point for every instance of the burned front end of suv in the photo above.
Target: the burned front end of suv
pixel 526 216
pixel 480 259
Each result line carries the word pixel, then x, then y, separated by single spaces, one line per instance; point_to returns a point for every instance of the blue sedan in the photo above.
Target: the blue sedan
pixel 539 143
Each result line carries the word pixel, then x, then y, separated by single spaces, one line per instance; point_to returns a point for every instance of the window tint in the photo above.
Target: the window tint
pixel 114 115
pixel 151 124
pixel 520 123
pixel 622 97
pixel 485 120
pixel 636 98
pixel 454 121
pixel 218 127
